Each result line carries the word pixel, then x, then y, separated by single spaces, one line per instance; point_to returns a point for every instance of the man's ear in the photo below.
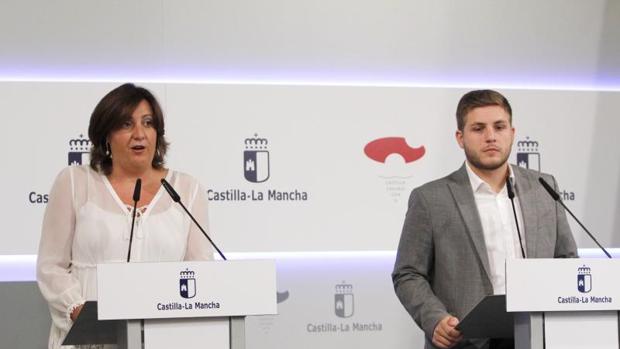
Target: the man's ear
pixel 459 138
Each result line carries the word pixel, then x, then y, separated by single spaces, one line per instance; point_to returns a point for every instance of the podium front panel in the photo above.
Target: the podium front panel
pixel 186 289
pixel 535 285
pixel 576 330
pixel 186 333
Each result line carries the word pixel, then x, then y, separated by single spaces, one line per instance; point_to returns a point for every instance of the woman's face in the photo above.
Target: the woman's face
pixel 133 145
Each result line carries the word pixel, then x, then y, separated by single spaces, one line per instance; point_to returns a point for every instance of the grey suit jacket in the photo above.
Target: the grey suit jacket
pixel 442 265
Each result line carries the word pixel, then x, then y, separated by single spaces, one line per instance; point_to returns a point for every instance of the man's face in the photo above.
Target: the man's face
pixel 486 137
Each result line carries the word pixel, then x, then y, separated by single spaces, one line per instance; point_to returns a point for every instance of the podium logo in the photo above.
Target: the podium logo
pixel 187 284
pixel 343 300
pixel 528 155
pixel 256 159
pixel 79 151
pixel 584 279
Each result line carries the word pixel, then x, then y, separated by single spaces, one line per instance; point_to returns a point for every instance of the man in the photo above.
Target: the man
pixel 460 229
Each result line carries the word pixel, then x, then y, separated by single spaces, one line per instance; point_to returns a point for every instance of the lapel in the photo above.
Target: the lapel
pixel 464 197
pixel 528 202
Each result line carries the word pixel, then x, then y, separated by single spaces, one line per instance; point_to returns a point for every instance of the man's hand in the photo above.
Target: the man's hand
pixel 445 334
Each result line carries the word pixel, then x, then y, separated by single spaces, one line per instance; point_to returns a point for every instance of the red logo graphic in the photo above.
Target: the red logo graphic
pixel 381 148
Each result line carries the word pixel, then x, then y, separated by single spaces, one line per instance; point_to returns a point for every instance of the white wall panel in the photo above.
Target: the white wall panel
pixel 513 43
pixel 316 139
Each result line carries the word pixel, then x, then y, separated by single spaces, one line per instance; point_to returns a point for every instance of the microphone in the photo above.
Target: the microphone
pixel 176 198
pixel 550 190
pixel 556 197
pixel 511 196
pixel 136 198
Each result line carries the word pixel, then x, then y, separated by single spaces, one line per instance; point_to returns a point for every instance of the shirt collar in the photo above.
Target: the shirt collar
pixel 478 183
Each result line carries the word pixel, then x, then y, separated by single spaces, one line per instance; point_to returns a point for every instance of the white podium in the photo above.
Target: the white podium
pixel 564 303
pixel 177 304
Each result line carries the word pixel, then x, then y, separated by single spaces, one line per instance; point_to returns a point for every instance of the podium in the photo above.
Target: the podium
pixel 176 304
pixel 554 303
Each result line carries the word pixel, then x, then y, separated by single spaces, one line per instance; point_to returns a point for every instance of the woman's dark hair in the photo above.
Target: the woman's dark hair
pixel 109 115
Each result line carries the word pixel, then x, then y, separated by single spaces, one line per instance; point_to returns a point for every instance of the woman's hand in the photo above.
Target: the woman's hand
pixel 76 311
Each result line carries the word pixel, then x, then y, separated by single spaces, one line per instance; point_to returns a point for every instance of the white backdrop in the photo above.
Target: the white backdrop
pixel 353 202
pixel 443 43
pixel 310 286
pixel 316 138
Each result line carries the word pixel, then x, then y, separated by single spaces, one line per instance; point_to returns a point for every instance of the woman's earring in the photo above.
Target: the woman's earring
pixel 107 150
pixel 157 152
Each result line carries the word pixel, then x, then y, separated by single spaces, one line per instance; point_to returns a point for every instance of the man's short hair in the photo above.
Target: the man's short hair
pixel 480 98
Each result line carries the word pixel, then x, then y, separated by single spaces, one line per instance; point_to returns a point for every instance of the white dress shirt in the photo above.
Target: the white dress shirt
pixel 498 226
pixel 86 223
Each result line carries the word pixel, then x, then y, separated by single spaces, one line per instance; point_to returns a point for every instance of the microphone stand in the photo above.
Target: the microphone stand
pixel 556 197
pixel 176 198
pixel 136 198
pixel 511 195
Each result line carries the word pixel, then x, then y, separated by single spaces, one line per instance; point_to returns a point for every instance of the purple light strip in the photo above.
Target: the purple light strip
pixel 310 255
pixel 18 268
pixel 23 267
pixel 569 86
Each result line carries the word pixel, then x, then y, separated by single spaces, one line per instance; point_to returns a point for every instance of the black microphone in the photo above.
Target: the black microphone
pixel 556 197
pixel 136 198
pixel 511 196
pixel 173 193
pixel 550 190
pixel 176 198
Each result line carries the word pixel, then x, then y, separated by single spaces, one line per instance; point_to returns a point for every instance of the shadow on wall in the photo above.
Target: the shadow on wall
pixel 25 321
pixel 609 72
pixel 602 190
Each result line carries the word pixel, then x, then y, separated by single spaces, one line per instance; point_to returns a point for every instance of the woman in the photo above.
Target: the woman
pixel 89 214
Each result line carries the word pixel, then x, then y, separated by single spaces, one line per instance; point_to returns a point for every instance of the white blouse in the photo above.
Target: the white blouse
pixel 86 223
